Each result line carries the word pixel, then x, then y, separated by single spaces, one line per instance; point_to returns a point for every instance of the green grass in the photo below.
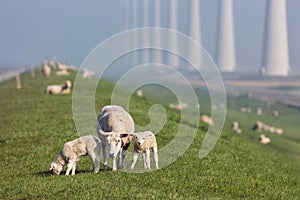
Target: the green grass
pixel 34 127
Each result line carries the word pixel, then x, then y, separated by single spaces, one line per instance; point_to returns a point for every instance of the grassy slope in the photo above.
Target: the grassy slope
pixel 34 127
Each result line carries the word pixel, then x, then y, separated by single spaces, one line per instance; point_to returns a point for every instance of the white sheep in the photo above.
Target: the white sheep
pixel 144 142
pixel 139 93
pixel 113 126
pixel 59 89
pixel 259 111
pixel 62 73
pixel 207 120
pixel 178 106
pixel 279 131
pixel 235 125
pixel 73 150
pixel 258 126
pixel 264 140
pixel 275 113
pixel 46 70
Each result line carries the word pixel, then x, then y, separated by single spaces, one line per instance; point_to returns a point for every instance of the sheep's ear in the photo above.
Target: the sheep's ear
pixel 132 134
pixel 124 135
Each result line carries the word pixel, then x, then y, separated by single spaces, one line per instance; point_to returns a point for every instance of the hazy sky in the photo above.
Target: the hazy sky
pixel 31 30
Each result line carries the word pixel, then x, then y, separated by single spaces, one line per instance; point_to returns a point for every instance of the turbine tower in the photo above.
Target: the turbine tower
pixel 225 58
pixel 195 32
pixel 173 60
pixel 276 53
pixel 157 56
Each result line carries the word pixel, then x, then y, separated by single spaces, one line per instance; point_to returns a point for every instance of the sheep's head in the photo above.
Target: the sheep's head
pixel 142 136
pixel 56 168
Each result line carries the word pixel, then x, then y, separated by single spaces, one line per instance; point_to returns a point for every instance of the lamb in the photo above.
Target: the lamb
pixel 73 150
pixel 59 89
pixel 113 126
pixel 279 131
pixel 144 142
pixel 264 140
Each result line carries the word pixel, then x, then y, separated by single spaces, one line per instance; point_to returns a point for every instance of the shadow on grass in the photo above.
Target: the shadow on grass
pixel 49 173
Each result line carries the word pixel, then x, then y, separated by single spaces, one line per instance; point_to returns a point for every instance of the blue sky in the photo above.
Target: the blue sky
pixel 31 30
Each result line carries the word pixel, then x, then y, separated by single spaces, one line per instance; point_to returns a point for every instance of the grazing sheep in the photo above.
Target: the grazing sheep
pixel 73 150
pixel 59 89
pixel 264 140
pixel 144 142
pixel 113 126
pixel 62 73
pixel 207 120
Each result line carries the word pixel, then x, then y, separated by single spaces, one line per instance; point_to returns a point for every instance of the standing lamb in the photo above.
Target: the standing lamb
pixel 144 142
pixel 59 89
pixel 71 152
pixel 113 126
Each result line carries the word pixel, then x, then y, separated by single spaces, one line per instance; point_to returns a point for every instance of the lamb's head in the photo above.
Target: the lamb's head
pixel 56 168
pixel 114 143
pixel 142 136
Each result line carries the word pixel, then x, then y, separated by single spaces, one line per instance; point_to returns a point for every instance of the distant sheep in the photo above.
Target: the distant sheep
pixel 178 106
pixel 59 89
pixel 46 70
pixel 71 152
pixel 235 127
pixel 279 131
pixel 259 111
pixel 144 142
pixel 87 74
pixel 207 120
pixel 275 113
pixel 264 140
pixel 139 93
pixel 258 126
pixel 62 73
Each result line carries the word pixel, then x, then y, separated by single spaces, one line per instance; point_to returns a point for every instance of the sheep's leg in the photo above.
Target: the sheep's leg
pixel 145 160
pixel 155 157
pixel 96 162
pixel 114 163
pixel 104 154
pixel 121 159
pixel 69 167
pixel 134 159
pixel 148 158
pixel 74 168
